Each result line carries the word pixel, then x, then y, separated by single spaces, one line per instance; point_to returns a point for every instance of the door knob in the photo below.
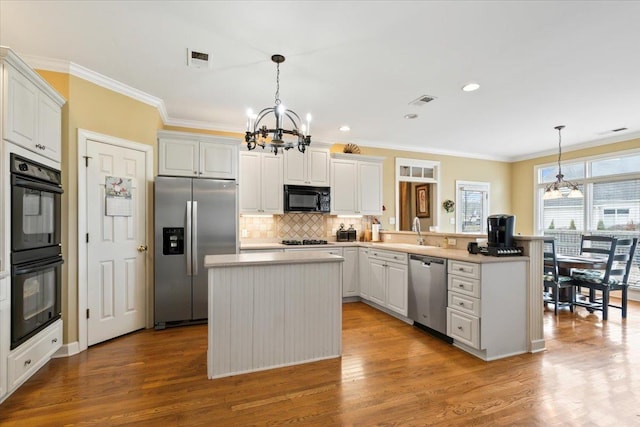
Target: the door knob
pixel 142 248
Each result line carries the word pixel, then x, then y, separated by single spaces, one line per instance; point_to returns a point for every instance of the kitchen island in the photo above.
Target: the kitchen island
pixel 272 309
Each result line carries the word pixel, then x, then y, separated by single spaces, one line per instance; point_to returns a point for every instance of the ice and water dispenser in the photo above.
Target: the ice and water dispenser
pixel 173 241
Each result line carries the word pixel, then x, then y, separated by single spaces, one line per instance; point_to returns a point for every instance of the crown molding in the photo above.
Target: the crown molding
pixel 76 70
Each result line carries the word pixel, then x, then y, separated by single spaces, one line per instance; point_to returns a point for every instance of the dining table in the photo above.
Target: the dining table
pixel 566 263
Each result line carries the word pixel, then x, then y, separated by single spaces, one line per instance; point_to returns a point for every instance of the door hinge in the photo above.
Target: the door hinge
pixel 87 313
pixel 87 237
pixel 86 161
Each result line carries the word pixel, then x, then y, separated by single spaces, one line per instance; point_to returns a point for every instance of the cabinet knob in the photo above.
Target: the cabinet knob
pixel 461 303
pixel 195 172
pixel 461 285
pixel 459 328
pixel 27 362
pixel 55 340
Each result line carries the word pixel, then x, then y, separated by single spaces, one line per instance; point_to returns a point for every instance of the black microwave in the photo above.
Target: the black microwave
pixel 300 198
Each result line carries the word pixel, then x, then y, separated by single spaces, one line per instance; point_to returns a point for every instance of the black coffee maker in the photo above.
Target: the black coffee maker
pixel 500 231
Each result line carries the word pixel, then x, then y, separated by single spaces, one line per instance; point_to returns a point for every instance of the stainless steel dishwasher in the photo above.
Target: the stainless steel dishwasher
pixel 428 294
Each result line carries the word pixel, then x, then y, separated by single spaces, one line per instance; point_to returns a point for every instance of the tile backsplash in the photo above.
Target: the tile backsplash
pixel 297 226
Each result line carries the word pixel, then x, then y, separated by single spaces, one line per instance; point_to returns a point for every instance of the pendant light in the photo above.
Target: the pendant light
pixel 554 190
pixel 257 135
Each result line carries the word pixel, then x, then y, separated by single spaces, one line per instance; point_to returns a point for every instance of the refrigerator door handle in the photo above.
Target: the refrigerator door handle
pixel 188 243
pixel 195 238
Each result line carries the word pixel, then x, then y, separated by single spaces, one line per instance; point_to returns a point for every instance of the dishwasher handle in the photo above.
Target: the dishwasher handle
pixel 427 260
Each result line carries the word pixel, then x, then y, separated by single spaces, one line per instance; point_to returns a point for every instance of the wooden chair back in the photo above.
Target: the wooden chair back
pixel 622 259
pixel 550 260
pixel 597 245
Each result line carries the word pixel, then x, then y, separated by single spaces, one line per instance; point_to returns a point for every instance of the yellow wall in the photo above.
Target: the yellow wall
pixel 523 179
pixel 93 108
pixel 498 174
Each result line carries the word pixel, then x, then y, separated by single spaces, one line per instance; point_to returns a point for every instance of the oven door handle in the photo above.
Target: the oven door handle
pixel 37 266
pixel 36 185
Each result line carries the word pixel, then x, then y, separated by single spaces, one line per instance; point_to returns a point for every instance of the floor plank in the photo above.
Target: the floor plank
pixel 390 374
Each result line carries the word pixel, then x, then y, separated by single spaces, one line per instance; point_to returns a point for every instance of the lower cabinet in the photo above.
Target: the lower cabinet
pixel 389 280
pixel 350 272
pixel 4 342
pixel 33 354
pixel 487 308
pixel 364 272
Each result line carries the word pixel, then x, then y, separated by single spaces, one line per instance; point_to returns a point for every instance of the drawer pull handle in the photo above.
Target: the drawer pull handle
pixel 461 303
pixel 27 362
pixel 459 328
pixel 55 340
pixel 461 285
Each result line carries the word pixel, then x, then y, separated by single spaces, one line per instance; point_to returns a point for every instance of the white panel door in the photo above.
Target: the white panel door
pixel 397 290
pixel 318 167
pixel 49 128
pixel 249 182
pixel 218 160
pixel 21 111
pixel 350 284
pixel 116 249
pixel 295 167
pixel 377 291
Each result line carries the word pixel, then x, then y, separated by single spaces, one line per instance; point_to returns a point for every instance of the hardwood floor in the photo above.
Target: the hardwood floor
pixel 390 374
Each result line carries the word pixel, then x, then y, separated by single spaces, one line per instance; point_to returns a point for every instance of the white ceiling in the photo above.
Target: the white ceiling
pixel 360 63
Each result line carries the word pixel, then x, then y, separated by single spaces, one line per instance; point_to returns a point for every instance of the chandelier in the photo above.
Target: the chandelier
pixel 554 190
pixel 258 135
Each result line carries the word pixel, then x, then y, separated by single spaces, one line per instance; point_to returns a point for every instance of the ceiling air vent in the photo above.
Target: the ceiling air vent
pixel 422 100
pixel 198 59
pixel 618 130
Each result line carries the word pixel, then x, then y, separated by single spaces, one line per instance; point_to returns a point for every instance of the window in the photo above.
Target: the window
pixel 472 207
pixel 611 203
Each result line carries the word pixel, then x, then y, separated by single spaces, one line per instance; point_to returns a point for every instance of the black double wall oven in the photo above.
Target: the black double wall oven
pixel 36 256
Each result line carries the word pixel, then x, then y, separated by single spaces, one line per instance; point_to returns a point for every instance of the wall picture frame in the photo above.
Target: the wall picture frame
pixel 423 201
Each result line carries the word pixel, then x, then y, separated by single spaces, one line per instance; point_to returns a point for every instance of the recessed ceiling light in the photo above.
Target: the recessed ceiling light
pixel 410 116
pixel 470 87
pixel 345 128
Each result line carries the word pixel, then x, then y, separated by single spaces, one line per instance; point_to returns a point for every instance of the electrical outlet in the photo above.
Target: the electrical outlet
pixel 392 221
pixel 245 232
pixel 451 241
pixel 452 221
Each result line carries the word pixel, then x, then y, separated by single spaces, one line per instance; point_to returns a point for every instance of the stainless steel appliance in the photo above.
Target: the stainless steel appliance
pixel 300 198
pixel 428 294
pixel 36 256
pixel 193 218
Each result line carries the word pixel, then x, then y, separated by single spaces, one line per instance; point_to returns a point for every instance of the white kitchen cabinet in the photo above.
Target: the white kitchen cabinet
pixel 30 356
pixel 350 282
pixel 5 321
pixel 389 280
pixel 364 272
pixel 356 184
pixel 486 310
pixel 310 168
pixel 31 108
pixel 260 183
pixel 198 156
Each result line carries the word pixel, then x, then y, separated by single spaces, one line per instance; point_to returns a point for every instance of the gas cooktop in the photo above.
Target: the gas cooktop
pixel 304 242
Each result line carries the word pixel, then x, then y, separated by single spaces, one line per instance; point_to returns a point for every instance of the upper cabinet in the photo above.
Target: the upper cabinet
pixel 197 156
pixel 308 168
pixel 260 183
pixel 356 184
pixel 32 110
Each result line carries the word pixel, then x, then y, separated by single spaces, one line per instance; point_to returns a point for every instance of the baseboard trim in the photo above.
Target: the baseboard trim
pixel 67 350
pixel 536 346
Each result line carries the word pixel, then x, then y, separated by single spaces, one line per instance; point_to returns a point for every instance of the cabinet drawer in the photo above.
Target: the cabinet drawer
pixel 332 251
pixel 399 257
pixel 29 357
pixel 464 286
pixel 464 303
pixel 463 327
pixel 465 269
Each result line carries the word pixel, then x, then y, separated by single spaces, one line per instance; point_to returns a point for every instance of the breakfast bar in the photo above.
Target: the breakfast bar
pixel 272 309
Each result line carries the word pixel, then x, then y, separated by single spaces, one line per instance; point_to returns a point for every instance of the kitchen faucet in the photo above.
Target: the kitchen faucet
pixel 416 228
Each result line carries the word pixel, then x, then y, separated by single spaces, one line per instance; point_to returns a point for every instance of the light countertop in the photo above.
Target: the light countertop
pixel 455 254
pixel 269 258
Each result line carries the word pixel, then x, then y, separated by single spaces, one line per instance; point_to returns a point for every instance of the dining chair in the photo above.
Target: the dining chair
pixel 553 282
pixel 615 277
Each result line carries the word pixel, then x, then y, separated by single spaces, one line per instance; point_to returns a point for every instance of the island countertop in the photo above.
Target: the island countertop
pixel 269 258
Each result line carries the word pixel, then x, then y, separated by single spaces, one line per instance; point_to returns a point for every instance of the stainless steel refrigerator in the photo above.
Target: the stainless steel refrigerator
pixel 193 218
